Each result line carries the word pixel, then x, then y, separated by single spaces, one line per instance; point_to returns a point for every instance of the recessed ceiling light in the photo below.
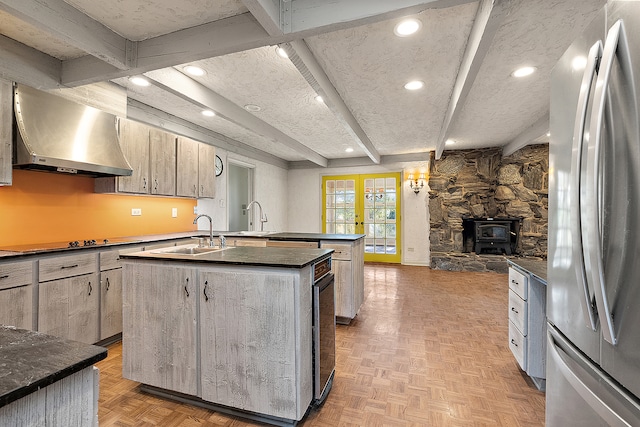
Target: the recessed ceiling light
pixel 449 142
pixel 139 81
pixel 319 98
pixel 407 27
pixel 523 72
pixel 281 52
pixel 252 107
pixel 414 85
pixel 194 71
pixel 208 113
pixel 349 150
pixel 579 63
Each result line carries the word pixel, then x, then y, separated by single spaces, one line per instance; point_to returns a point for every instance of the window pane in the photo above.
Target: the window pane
pixel 330 228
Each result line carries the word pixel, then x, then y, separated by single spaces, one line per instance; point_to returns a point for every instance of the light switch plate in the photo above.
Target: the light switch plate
pixel 136 212
pixel 195 210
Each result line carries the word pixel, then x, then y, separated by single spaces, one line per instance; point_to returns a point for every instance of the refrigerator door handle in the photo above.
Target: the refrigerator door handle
pixel 577 176
pixel 591 228
pixel 573 372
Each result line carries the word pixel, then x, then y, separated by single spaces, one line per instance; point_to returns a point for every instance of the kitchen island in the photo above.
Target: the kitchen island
pixel 229 329
pixel 47 380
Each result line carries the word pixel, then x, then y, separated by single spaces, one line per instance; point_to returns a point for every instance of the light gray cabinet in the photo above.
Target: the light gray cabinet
pixel 16 294
pixel 187 160
pixel 6 131
pixel 196 169
pixel 159 326
pixel 110 294
pixel 206 171
pixel 134 140
pixel 527 323
pixel 163 162
pixel 347 264
pixel 249 321
pixel 68 303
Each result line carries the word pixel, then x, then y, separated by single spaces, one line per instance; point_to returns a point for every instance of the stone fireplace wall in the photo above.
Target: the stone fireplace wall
pixel 482 183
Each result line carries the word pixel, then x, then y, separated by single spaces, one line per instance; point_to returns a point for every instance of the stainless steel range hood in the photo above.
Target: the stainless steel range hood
pixel 58 135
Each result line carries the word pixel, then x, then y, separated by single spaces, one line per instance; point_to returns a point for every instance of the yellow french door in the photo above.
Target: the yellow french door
pixel 365 204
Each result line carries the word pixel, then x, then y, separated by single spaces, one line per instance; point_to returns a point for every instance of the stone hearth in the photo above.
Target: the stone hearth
pixel 482 183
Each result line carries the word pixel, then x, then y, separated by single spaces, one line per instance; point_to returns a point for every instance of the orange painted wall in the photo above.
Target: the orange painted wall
pixel 45 207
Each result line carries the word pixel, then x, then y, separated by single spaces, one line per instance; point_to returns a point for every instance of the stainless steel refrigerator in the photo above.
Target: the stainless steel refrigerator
pixel 593 295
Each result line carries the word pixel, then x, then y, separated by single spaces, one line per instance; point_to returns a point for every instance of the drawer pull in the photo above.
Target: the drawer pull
pixel 68 266
pixel 514 310
pixel 90 288
pixel 514 342
pixel 6 276
pixel 514 281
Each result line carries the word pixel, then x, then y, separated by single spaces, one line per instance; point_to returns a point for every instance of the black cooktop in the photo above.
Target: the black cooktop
pixel 52 246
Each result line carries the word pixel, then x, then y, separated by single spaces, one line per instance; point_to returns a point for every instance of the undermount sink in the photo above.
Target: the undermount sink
pixel 254 233
pixel 191 250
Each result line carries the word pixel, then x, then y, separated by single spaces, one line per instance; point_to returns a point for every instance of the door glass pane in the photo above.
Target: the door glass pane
pixel 340 209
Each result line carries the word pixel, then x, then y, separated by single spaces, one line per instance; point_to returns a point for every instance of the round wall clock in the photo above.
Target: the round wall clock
pixel 219 166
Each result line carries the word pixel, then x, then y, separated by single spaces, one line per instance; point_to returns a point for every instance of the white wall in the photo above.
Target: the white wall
pixel 270 191
pixel 305 199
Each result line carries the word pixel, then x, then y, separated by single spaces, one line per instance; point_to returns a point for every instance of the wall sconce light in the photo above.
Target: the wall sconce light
pixel 416 184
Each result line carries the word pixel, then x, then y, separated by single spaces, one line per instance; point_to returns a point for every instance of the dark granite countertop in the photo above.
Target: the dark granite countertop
pixel 535 266
pixel 241 255
pixel 58 247
pixel 314 237
pixel 31 360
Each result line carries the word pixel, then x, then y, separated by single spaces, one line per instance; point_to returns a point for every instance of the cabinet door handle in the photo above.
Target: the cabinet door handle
pixel 108 284
pixel 195 189
pixel 206 297
pixel 514 342
pixel 4 277
pixel 144 183
pixel 514 310
pixel 155 184
pixel 68 266
pixel 90 288
pixel 185 288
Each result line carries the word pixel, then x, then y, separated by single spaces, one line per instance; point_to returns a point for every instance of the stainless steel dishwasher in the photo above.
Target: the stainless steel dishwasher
pixel 324 330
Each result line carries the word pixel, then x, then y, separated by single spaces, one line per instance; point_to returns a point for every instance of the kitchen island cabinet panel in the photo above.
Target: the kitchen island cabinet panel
pixel 347 264
pixel 159 326
pixel 253 364
pixel 187 160
pixel 16 307
pixel 163 162
pixel 110 303
pixel 6 131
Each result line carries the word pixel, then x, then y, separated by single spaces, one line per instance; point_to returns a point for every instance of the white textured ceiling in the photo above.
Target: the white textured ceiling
pixel 345 49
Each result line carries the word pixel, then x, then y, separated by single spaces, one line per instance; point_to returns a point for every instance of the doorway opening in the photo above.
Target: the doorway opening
pixel 240 193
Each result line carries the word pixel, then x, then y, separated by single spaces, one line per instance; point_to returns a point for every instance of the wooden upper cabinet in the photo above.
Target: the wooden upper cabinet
pixel 187 160
pixel 206 171
pixel 163 162
pixel 6 131
pixel 134 140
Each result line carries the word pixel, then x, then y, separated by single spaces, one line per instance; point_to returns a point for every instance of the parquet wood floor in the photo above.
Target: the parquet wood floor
pixel 429 348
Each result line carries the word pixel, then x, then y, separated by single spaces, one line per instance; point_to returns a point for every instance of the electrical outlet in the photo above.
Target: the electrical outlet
pixel 174 212
pixel 195 210
pixel 136 212
pixel 409 249
pixel 221 203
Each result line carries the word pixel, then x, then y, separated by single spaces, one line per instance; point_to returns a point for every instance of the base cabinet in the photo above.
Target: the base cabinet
pixel 527 323
pixel 347 264
pixel 231 336
pixel 255 323
pixel 110 303
pixel 67 308
pixel 17 307
pixel 159 327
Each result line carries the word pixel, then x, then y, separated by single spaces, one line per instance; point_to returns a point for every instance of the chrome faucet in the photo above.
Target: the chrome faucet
pixel 195 221
pixel 263 217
